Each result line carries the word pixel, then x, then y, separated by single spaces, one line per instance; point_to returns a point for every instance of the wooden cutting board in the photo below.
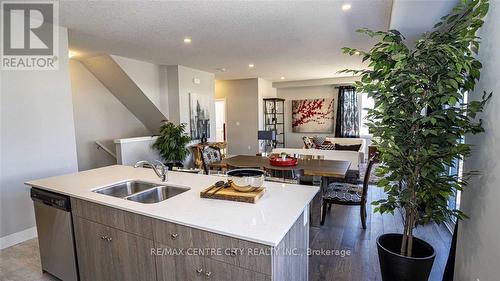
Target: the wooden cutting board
pixel 233 195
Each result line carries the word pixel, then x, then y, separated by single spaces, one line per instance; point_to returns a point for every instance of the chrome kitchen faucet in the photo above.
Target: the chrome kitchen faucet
pixel 158 167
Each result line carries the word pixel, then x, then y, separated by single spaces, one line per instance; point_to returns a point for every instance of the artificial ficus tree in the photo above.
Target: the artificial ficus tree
pixel 421 114
pixel 172 142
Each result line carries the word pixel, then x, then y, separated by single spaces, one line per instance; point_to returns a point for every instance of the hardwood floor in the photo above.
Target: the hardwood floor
pixel 343 231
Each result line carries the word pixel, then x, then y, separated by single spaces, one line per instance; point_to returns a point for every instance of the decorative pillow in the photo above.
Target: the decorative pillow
pixel 308 143
pixel 351 147
pixel 318 140
pixel 327 147
pixel 211 155
pixel 327 142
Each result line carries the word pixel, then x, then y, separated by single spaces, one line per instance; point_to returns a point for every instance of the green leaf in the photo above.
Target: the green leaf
pixel 419 115
pixel 172 142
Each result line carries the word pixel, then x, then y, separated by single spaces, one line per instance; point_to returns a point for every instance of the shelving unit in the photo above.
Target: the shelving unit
pixel 274 119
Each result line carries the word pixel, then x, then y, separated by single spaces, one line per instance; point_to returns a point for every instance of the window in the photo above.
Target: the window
pixel 366 102
pixel 220 120
pixel 454 201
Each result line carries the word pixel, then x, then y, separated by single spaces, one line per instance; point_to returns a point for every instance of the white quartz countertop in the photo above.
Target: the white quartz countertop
pixel 266 222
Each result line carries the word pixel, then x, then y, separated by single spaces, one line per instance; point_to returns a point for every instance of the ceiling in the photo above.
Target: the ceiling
pixel 296 40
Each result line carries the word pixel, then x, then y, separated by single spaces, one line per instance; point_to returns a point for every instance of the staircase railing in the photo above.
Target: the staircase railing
pixel 103 147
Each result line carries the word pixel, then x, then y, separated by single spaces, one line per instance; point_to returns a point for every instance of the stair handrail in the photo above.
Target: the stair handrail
pixel 103 147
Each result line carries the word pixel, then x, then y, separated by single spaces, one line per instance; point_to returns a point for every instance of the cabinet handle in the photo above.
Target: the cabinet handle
pixel 199 270
pixel 106 238
pixel 173 236
pixel 208 275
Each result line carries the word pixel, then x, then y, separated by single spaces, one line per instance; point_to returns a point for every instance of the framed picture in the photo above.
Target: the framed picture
pixel 313 116
pixel 199 116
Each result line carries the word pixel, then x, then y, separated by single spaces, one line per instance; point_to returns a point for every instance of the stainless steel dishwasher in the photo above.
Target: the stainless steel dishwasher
pixel 55 234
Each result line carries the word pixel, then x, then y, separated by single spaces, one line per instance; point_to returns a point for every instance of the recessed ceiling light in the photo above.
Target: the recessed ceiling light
pixel 346 7
pixel 187 40
pixel 282 77
pixel 221 69
pixel 251 65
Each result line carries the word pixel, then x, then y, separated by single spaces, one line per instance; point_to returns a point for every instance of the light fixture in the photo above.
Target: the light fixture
pixel 187 40
pixel 282 77
pixel 71 54
pixel 251 65
pixel 357 53
pixel 221 69
pixel 346 7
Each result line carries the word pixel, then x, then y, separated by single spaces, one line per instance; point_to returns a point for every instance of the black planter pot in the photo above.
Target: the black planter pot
pixel 170 165
pixel 394 266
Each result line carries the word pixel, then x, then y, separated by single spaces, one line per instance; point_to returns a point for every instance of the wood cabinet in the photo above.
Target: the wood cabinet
pixel 199 267
pixel 171 266
pixel 106 253
pixel 94 253
pixel 113 244
pixel 218 247
pixel 220 271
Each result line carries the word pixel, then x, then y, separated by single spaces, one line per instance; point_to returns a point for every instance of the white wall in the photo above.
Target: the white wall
pixel 206 88
pixel 131 150
pixel 99 116
pixel 294 140
pixel 180 85
pixel 147 77
pixel 478 247
pixel 242 107
pixel 123 86
pixel 172 77
pixel 37 138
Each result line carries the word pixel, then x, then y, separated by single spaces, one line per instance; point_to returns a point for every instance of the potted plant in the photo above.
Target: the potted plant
pixel 418 121
pixel 172 144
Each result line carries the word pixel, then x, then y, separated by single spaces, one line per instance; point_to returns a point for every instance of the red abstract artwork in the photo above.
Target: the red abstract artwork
pixel 312 116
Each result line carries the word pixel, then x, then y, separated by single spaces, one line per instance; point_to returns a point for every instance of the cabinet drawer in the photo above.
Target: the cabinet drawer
pixel 218 247
pixel 245 254
pixel 175 235
pixel 216 270
pixel 123 220
pixel 197 268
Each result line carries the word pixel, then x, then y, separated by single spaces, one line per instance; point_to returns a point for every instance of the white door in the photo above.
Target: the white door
pixel 220 120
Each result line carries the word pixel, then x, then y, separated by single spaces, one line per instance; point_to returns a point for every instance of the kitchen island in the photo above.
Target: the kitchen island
pixel 185 237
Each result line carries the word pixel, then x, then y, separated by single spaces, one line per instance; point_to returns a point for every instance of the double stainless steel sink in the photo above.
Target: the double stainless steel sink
pixel 141 191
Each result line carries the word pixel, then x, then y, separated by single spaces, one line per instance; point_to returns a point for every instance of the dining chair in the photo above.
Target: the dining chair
pixel 284 175
pixel 342 193
pixel 209 155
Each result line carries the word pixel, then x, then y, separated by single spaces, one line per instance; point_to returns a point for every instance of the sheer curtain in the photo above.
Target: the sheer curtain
pixel 347 124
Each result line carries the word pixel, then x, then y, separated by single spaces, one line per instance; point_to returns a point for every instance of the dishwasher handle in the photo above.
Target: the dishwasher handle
pixel 52 199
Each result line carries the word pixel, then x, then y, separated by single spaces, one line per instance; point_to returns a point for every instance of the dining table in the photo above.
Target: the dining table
pixel 326 169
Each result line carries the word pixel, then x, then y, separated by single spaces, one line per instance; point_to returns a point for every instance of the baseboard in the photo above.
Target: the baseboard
pixel 18 237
